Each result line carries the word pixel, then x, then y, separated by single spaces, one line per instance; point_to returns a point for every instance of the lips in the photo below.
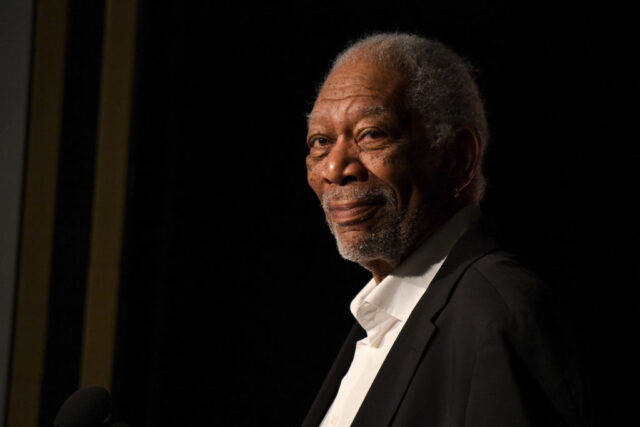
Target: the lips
pixel 352 212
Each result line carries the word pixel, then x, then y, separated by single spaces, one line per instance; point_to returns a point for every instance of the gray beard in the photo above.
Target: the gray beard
pixel 390 238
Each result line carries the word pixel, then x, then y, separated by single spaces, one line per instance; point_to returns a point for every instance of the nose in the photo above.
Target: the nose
pixel 343 164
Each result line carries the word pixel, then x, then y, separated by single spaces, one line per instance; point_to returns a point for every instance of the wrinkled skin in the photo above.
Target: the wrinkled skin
pixel 382 189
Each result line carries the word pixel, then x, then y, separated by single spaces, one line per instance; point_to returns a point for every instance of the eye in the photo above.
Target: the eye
pixel 318 141
pixel 319 145
pixel 372 138
pixel 371 134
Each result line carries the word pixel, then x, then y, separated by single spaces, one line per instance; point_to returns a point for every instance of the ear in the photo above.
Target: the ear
pixel 466 158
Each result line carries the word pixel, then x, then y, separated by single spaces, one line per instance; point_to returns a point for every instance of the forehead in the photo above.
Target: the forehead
pixel 358 87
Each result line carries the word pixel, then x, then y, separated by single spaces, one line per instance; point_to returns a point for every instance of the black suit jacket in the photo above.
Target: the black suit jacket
pixel 483 347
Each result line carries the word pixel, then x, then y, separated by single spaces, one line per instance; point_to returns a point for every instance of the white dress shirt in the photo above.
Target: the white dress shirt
pixel 383 309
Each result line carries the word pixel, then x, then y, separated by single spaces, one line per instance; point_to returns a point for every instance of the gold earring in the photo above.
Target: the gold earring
pixel 456 193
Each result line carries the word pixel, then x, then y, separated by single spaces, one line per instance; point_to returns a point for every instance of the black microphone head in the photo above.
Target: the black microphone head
pixel 87 407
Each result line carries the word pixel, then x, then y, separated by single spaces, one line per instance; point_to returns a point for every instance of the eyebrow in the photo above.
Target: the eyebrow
pixel 375 110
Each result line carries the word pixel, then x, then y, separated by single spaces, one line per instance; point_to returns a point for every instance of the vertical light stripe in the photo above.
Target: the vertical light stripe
pixel 16 24
pixel 109 193
pixel 36 240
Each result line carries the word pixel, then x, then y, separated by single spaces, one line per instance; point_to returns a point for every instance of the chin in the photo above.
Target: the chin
pixel 389 239
pixel 368 248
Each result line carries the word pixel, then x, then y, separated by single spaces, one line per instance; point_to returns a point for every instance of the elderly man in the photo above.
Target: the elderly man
pixel 450 331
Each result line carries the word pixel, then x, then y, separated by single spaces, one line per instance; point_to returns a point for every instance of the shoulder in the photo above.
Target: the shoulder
pixel 493 292
pixel 485 277
pixel 530 326
pixel 498 292
pixel 502 315
pixel 503 301
pixel 509 280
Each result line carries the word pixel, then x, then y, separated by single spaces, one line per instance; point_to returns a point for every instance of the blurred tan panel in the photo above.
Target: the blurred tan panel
pixel 36 240
pixel 109 194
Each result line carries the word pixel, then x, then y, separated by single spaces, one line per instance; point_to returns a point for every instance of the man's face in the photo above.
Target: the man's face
pixel 370 166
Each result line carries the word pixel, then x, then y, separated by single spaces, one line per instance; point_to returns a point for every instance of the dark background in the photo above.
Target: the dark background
pixel 234 301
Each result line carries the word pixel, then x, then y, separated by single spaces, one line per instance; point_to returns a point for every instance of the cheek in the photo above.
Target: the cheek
pixel 314 181
pixel 393 169
pixel 385 163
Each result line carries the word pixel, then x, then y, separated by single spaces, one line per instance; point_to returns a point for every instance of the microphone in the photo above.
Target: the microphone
pixel 87 407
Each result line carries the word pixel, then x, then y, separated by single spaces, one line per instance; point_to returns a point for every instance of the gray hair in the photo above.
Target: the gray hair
pixel 440 89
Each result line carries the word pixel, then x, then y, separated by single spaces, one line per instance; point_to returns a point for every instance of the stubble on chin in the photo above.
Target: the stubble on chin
pixel 387 239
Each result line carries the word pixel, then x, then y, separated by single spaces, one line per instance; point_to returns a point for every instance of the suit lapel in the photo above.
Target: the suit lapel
pixel 331 384
pixel 394 377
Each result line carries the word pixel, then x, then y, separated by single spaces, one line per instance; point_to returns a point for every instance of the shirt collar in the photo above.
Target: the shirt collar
pixel 377 308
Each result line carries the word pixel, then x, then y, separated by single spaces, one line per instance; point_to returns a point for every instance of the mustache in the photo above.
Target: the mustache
pixel 357 193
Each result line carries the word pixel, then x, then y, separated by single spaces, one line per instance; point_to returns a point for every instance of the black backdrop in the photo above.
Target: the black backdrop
pixel 234 300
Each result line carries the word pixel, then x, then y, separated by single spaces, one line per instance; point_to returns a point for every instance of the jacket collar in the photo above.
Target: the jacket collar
pixel 394 376
pixel 389 387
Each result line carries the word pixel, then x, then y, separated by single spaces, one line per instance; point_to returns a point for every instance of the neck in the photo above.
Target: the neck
pixel 381 268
